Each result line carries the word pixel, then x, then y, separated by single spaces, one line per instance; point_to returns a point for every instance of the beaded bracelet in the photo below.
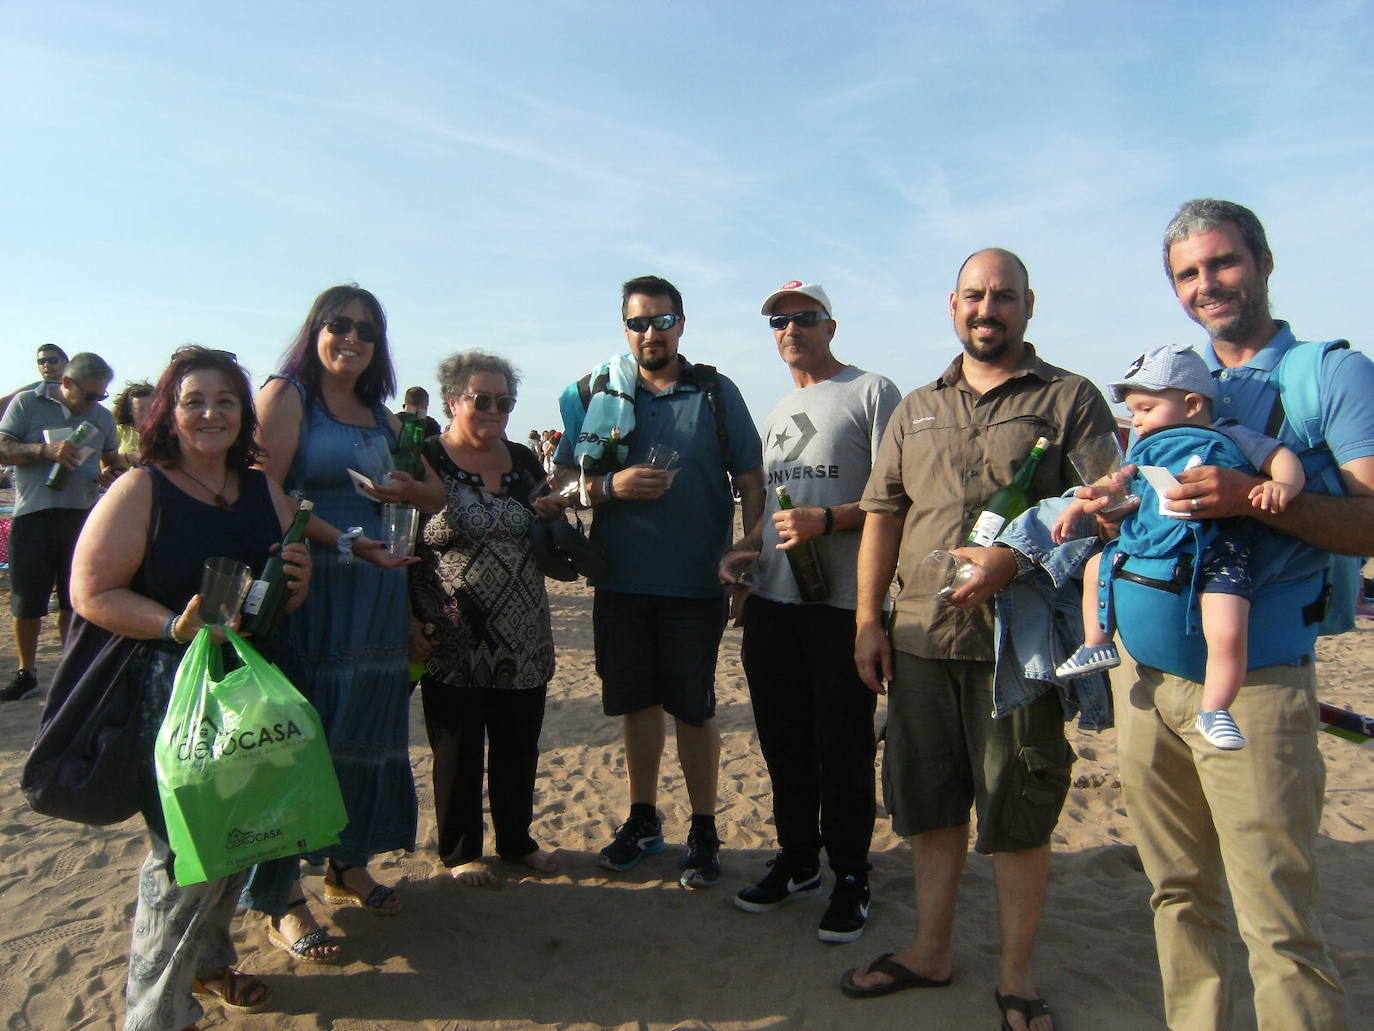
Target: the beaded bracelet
pixel 829 520
pixel 169 630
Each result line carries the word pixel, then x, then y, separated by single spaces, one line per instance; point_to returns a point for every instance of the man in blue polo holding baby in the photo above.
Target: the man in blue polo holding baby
pixel 1167 388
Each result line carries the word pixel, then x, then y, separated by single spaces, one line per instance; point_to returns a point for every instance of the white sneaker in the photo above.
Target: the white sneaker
pixel 1219 727
pixel 1088 659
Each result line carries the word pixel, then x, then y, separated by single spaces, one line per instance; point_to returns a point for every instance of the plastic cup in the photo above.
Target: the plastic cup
pixel 661 456
pixel 664 458
pixel 941 573
pixel 224 584
pixel 372 458
pixel 401 522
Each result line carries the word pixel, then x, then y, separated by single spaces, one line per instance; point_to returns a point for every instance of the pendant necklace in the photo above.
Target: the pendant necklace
pixel 218 495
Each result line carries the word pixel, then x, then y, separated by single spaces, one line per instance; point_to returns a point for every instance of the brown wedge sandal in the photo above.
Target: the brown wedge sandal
pixel 235 989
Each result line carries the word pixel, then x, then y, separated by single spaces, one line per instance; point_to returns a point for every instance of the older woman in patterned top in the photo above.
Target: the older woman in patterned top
pixel 479 597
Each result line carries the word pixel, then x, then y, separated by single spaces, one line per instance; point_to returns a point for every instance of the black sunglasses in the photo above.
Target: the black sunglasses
pixel 805 319
pixel 641 323
pixel 54 360
pixel 339 325
pixel 93 396
pixel 482 401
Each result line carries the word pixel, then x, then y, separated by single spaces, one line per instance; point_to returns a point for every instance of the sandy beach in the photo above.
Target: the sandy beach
pixel 591 950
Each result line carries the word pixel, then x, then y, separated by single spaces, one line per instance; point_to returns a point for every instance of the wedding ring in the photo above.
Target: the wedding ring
pixel 1196 503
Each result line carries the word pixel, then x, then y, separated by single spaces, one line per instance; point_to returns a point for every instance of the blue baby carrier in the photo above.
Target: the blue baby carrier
pixel 1148 588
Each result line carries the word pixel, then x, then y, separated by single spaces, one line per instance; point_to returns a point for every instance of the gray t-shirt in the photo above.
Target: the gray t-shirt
pixel 820 442
pixel 25 420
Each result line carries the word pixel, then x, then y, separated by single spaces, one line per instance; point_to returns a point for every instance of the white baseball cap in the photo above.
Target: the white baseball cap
pixel 812 290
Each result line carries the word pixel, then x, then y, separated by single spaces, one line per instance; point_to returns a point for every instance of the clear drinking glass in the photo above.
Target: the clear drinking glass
pixel 224 584
pixel 941 573
pixel 1098 457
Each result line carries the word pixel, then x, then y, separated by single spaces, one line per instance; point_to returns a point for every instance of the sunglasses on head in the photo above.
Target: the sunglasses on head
pixel 50 360
pixel 339 325
pixel 191 350
pixel 641 323
pixel 805 319
pixel 482 401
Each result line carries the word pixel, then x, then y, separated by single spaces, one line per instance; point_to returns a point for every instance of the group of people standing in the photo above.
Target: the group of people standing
pixel 876 482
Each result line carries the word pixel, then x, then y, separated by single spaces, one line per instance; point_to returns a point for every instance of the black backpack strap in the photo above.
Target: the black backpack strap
pixel 706 378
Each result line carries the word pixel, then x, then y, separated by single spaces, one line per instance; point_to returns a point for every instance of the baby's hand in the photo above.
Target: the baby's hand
pixel 1062 529
pixel 1271 496
pixel 1065 527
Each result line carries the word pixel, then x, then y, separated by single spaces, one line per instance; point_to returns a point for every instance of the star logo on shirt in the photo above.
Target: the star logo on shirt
pixel 807 430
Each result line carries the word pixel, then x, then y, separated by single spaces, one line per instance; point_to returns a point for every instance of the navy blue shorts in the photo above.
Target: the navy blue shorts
pixel 652 649
pixel 1226 562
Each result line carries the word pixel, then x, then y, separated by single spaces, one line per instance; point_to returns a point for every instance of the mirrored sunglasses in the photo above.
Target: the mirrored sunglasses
pixel 641 323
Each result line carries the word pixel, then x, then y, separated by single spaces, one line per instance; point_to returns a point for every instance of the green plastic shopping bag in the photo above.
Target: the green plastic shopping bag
pixel 243 767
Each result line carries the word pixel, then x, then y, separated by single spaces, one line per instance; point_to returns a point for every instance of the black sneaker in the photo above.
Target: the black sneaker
pixel 636 838
pixel 848 910
pixel 780 884
pixel 701 861
pixel 23 685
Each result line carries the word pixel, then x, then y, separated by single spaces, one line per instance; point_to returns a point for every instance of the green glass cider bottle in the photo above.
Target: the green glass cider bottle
pixel 804 560
pixel 408 444
pixel 266 601
pixel 1008 502
pixel 57 475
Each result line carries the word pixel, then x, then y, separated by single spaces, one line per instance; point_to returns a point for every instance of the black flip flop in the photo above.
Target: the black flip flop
pixel 902 979
pixel 1028 1008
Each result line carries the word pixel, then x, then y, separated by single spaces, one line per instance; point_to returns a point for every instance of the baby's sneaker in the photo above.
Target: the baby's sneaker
pixel 1088 659
pixel 1220 728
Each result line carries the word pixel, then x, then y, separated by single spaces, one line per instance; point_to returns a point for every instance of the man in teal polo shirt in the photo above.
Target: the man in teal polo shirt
pixel 659 612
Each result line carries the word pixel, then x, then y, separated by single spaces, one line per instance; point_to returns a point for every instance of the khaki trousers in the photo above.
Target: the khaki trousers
pixel 1203 818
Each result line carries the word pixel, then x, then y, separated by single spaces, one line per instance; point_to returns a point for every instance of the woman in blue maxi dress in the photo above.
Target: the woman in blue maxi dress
pixel 347 650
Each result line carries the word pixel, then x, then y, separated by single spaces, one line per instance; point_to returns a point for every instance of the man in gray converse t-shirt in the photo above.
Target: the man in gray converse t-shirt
pixel 814 715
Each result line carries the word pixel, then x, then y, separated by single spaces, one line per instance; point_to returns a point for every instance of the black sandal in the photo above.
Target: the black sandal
pixel 307 946
pixel 1028 1008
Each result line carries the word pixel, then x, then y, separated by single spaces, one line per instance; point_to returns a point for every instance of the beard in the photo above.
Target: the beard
pixel 654 364
pixel 1244 324
pixel 992 350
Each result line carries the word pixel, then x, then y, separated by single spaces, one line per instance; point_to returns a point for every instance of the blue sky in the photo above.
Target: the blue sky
pixel 174 172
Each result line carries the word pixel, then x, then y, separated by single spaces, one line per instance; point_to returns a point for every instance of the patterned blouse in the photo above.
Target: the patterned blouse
pixel 478 583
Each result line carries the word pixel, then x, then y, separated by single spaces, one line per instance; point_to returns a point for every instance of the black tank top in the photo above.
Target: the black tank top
pixel 185 532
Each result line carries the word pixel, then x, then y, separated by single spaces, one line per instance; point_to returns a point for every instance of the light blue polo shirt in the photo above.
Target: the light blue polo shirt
pixel 1245 394
pixel 671 545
